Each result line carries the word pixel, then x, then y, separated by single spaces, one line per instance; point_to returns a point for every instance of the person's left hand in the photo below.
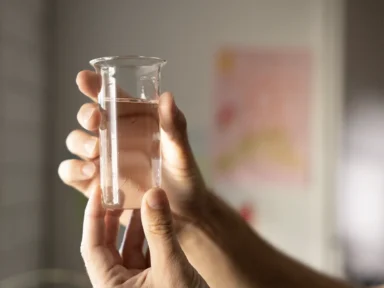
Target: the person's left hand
pixel 106 267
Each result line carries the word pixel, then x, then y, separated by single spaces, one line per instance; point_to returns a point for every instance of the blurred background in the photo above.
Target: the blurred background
pixel 333 222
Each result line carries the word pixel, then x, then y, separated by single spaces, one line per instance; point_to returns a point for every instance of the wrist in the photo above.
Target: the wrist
pixel 198 217
pixel 218 241
pixel 214 243
pixel 204 217
pixel 217 220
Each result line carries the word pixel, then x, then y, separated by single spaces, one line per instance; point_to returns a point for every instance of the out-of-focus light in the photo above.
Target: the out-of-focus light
pixel 365 202
pixel 363 217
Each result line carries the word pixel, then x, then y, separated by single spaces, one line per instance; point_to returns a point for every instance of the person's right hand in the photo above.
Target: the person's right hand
pixel 180 175
pixel 107 268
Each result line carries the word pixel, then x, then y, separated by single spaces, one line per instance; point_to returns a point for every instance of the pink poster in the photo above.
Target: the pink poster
pixel 261 110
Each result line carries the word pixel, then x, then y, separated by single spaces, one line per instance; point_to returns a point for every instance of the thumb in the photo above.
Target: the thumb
pixel 158 228
pixel 168 262
pixel 172 120
pixel 174 139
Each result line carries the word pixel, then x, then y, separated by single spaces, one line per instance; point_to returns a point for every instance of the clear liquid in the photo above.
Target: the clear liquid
pixel 130 162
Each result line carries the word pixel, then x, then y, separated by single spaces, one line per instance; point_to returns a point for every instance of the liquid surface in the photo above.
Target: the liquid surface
pixel 130 161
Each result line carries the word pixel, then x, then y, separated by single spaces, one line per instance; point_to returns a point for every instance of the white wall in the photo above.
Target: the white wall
pixel 188 34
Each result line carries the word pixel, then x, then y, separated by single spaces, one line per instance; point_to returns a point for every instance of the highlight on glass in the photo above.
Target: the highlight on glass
pixel 130 158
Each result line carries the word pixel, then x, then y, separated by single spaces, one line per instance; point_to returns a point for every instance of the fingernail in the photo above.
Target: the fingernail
pixel 90 146
pixel 87 113
pixel 89 169
pixel 157 199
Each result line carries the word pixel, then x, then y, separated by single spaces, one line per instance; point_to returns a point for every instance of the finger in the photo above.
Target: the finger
pixel 89 116
pixel 98 262
pixel 175 148
pixel 157 222
pixel 71 171
pixel 172 120
pixel 68 174
pixel 174 138
pixel 94 227
pixel 132 245
pixel 89 84
pixel 167 259
pixel 73 179
pixel 134 109
pixel 112 224
pixel 134 114
pixel 83 145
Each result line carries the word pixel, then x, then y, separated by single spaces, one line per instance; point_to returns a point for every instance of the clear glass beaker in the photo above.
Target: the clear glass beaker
pixel 130 158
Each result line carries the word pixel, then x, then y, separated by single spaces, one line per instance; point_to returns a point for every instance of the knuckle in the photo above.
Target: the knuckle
pixel 84 107
pixel 93 106
pixel 161 226
pixel 87 106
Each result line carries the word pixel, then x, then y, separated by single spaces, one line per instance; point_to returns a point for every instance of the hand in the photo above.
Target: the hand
pixel 108 269
pixel 181 177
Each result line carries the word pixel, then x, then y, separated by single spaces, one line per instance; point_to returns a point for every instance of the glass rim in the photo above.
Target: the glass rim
pixel 127 61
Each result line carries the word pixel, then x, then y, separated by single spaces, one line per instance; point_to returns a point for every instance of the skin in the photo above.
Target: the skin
pixel 224 250
pixel 181 177
pixel 106 267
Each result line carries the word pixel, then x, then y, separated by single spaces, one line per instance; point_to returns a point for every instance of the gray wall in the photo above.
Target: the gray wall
pixel 23 92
